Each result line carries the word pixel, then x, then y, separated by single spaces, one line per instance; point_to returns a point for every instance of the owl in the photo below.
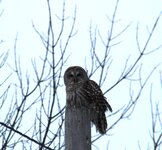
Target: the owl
pixel 83 92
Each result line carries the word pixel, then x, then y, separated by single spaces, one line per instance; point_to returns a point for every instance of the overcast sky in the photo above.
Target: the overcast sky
pixel 19 15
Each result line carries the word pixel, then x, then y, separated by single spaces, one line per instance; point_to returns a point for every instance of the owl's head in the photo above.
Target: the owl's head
pixel 74 75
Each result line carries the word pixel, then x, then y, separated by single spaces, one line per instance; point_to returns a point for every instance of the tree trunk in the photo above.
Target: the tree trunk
pixel 77 129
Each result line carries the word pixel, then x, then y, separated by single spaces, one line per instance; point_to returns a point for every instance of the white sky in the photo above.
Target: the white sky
pixel 18 16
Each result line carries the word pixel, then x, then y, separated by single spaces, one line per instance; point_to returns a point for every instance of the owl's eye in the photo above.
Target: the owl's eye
pixel 79 74
pixel 70 75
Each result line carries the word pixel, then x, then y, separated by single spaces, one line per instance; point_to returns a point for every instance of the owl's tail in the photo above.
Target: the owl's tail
pixel 100 122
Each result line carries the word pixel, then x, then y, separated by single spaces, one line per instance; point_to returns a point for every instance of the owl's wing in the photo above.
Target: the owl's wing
pixel 96 97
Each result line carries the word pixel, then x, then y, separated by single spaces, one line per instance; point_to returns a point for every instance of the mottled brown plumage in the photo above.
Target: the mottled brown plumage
pixel 83 92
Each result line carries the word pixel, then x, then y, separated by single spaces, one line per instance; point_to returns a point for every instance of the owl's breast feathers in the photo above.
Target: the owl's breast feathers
pixel 75 95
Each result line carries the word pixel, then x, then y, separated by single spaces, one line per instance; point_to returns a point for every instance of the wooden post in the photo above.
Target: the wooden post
pixel 77 129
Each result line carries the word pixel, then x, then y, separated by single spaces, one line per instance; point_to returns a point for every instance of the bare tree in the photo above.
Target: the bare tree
pixel 156 134
pixel 102 65
pixel 33 117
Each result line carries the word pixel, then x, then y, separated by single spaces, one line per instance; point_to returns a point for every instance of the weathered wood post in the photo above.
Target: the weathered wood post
pixel 77 129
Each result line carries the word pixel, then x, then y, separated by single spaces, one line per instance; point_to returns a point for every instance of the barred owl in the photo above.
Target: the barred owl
pixel 83 92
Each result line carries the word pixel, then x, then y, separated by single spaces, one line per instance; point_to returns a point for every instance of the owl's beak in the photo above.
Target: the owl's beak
pixel 75 79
